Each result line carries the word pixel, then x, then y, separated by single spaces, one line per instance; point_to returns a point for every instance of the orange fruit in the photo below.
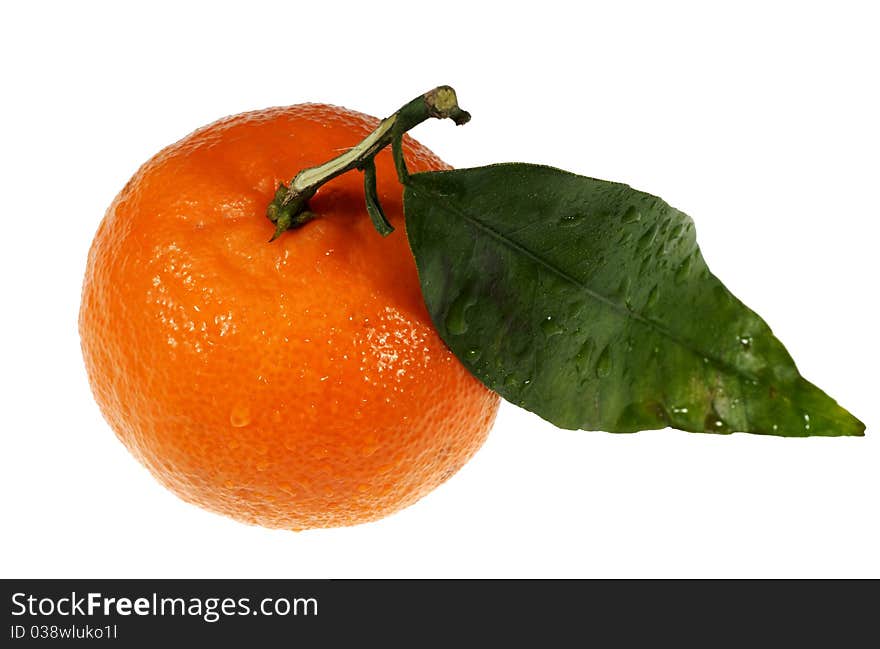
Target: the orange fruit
pixel 292 384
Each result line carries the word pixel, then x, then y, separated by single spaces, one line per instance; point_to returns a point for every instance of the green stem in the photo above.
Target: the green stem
pixel 290 207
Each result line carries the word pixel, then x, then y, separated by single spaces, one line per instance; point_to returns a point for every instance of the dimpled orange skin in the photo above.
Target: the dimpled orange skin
pixel 293 384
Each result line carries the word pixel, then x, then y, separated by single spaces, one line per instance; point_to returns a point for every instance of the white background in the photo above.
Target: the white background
pixel 760 120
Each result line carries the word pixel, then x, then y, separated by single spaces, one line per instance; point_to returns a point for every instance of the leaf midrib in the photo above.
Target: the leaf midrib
pixel 618 308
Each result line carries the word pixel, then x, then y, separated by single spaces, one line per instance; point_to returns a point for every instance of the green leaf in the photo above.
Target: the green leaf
pixel 374 209
pixel 589 303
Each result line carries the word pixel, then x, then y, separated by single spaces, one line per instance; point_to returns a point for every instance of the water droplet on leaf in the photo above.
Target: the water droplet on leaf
pixel 551 327
pixel 647 238
pixel 623 287
pixel 631 215
pixel 603 363
pixel 714 423
pixel 684 270
pixel 456 318
pixel 571 220
pixel 582 359
pixel 653 296
pixel 664 226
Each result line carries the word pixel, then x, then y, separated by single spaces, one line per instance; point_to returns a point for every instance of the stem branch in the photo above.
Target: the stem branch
pixel 289 209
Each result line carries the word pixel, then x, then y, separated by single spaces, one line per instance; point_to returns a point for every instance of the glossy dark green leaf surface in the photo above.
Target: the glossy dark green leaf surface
pixel 589 303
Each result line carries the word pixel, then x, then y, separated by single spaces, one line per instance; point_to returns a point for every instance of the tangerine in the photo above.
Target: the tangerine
pixel 292 384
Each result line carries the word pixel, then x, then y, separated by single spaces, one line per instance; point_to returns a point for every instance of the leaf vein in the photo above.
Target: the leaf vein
pixel 568 277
